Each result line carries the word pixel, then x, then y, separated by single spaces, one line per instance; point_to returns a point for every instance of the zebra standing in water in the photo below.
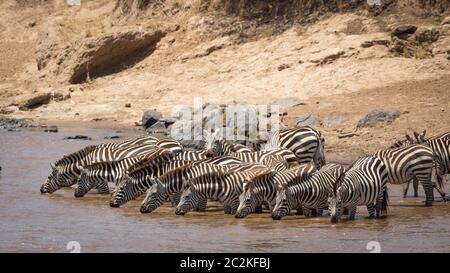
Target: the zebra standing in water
pixel 264 188
pixel 411 162
pixel 217 185
pixel 363 184
pixel 310 193
pixel 172 182
pixel 441 148
pixel 99 174
pixel 66 171
pixel 137 182
pixel 305 142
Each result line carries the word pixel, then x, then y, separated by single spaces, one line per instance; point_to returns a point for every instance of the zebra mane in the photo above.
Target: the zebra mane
pixel 338 183
pixel 181 169
pixel 149 159
pixel 74 156
pixel 415 139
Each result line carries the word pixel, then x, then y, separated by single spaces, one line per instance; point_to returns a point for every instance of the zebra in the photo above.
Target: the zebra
pixel 441 148
pixel 65 172
pixel 364 183
pixel 310 193
pixel 263 189
pixel 217 185
pixel 100 173
pixel 172 182
pixel 137 182
pixel 191 155
pixel 305 142
pixel 411 162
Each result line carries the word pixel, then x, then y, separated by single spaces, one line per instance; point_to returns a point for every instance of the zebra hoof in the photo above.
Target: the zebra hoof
pixel 114 205
pixel 276 217
pixel 428 203
pixel 144 210
pixel 180 212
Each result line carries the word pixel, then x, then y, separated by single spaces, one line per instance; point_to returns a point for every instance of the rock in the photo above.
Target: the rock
pixel 111 137
pixel 402 31
pixel 150 117
pixel 346 135
pixel 82 137
pixel 8 110
pixel 61 95
pixel 378 115
pixel 158 127
pixel 375 42
pixel 287 102
pixel 426 35
pixel 205 49
pixel 282 67
pixel 446 21
pixel 12 124
pixel 51 129
pixel 329 56
pixel 32 101
pixel 90 57
pixel 128 105
pixel 309 120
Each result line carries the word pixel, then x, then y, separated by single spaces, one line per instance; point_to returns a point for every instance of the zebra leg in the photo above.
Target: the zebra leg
pixel 175 199
pixel 299 211
pixel 371 210
pixel 352 213
pixel 416 187
pixel 306 212
pixel 345 211
pixel 428 188
pixel 319 212
pixel 201 206
pixel 259 209
pixel 406 188
pixel 227 208
pixel 439 189
pixel 102 188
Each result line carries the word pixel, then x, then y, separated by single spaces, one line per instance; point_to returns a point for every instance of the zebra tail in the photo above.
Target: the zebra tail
pixel 438 170
pixel 319 156
pixel 384 203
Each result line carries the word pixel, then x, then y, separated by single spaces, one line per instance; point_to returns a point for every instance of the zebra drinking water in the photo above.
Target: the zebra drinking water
pixel 310 193
pixel 363 184
pixel 263 189
pixel 218 185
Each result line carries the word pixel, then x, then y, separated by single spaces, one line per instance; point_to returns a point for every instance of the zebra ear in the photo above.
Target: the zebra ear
pixel 408 138
pixel 422 136
pixel 52 165
pixel 416 135
pixel 82 169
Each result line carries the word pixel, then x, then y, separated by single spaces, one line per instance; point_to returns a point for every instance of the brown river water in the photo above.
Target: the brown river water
pixel 32 222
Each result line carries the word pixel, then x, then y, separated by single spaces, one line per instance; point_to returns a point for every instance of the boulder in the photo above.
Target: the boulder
pixel 402 31
pixel 375 42
pixel 287 102
pixel 81 137
pixel 378 115
pixel 426 35
pixel 51 129
pixel 90 57
pixel 446 21
pixel 150 117
pixel 61 95
pixel 7 123
pixel 33 101
pixel 158 128
pixel 309 120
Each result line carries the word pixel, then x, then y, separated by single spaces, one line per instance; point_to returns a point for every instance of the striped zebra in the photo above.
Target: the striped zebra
pixel 217 185
pixel 440 145
pixel 191 155
pixel 305 142
pixel 263 189
pixel 97 175
pixel 172 182
pixel 363 184
pixel 410 162
pixel 66 171
pixel 310 193
pixel 137 180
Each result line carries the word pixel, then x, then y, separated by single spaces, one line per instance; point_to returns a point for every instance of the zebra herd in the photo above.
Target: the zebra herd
pixel 288 173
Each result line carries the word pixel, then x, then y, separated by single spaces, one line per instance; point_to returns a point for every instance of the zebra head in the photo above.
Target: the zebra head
pixel 188 199
pixel 282 207
pixel 212 142
pixel 51 184
pixel 129 188
pixel 247 202
pixel 85 183
pixel 335 200
pixel 156 195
